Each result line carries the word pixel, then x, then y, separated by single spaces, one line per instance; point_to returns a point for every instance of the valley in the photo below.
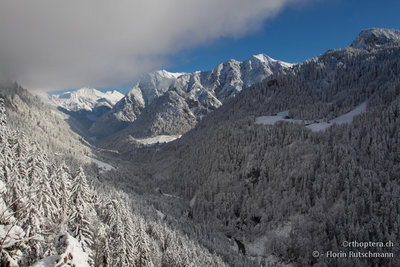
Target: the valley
pixel 253 163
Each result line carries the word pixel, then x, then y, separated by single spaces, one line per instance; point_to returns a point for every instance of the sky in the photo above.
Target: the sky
pixel 54 45
pixel 296 34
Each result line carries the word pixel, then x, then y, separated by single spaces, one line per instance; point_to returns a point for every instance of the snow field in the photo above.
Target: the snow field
pixel 346 118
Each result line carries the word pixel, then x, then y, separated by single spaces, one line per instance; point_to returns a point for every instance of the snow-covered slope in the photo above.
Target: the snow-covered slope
pixel 148 88
pixel 69 253
pixel 85 99
pixel 377 38
pixel 85 105
pixel 315 126
pixel 182 98
pixel 157 139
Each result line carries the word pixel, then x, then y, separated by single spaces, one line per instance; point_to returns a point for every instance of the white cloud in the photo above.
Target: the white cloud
pixel 55 44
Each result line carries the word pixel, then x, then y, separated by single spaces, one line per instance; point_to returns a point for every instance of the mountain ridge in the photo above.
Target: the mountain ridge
pixel 200 92
pixel 375 38
pixel 253 180
pixel 85 99
pixel 268 194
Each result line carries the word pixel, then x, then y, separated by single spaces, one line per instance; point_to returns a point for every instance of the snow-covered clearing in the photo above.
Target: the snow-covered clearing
pixel 172 196
pixel 157 139
pixel 271 120
pixel 102 165
pixel 345 118
pixel 348 117
pixel 315 126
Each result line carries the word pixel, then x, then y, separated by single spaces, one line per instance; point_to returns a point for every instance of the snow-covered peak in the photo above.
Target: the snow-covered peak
pixel 232 62
pixel 264 58
pixel 113 96
pixel 152 85
pixel 167 74
pixel 216 85
pixel 147 88
pixel 376 38
pixel 267 60
pixel 136 94
pixel 85 99
pixel 194 95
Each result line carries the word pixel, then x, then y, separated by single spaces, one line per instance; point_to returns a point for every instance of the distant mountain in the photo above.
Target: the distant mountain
pixel 164 103
pixel 27 113
pixel 149 87
pixel 86 105
pixel 57 208
pixel 86 99
pixel 299 163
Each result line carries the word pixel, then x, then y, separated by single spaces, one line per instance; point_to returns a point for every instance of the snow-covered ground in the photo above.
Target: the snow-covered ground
pixel 271 120
pixel 69 253
pixel 157 139
pixel 102 165
pixel 345 118
pixel 315 126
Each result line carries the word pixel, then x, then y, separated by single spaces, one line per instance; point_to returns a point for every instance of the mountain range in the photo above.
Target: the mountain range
pixel 86 99
pixel 164 103
pixel 285 189
pixel 265 164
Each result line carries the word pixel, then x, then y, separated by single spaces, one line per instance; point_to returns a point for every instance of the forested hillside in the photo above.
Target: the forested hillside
pixel 286 189
pixel 295 165
pixel 52 215
pixel 43 124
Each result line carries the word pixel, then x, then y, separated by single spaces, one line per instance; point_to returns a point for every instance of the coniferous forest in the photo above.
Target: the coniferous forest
pixel 233 191
pixel 58 214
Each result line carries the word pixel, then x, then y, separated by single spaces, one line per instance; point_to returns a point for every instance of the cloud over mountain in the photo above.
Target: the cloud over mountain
pixel 46 44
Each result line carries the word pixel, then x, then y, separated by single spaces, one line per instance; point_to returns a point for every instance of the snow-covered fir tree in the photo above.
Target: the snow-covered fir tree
pixel 50 215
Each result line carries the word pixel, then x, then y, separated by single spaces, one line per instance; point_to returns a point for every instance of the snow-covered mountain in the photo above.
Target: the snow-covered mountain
pixel 171 103
pixel 148 88
pixel 84 105
pixel 269 185
pixel 377 38
pixel 85 99
pixel 319 167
